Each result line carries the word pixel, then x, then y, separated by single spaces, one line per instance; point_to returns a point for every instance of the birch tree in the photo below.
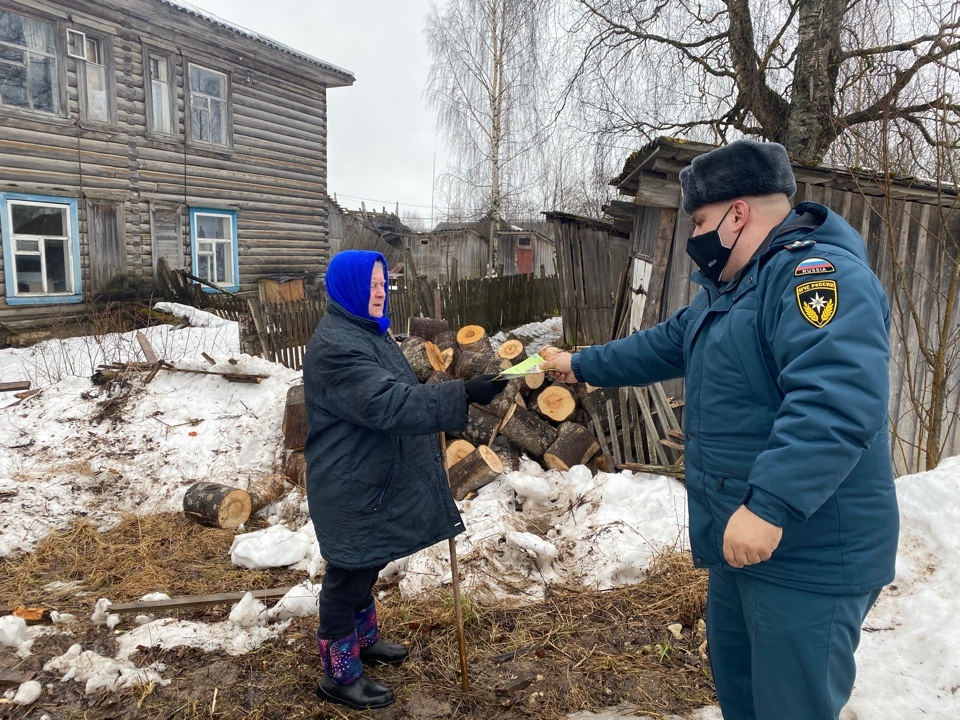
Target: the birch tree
pixel 485 84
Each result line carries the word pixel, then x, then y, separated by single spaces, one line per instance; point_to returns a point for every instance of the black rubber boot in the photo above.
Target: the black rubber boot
pixel 383 653
pixel 361 694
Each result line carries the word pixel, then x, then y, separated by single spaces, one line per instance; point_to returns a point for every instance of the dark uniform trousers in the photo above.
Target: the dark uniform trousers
pixel 779 653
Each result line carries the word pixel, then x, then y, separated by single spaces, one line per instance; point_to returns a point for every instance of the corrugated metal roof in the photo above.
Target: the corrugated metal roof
pixel 244 32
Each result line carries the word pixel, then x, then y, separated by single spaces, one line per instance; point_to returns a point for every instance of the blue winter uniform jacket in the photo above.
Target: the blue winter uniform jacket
pixel 376 485
pixel 787 384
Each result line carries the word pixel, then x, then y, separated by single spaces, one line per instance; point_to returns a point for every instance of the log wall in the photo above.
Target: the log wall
pixel 273 174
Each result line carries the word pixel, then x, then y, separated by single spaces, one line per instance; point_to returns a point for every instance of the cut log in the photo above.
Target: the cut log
pixel 295 468
pixel 295 419
pixel 481 425
pixel 448 356
pixel 509 455
pixel 479 468
pixel 471 364
pixel 427 328
pixel 507 398
pixel 448 341
pixel 556 403
pixel 474 338
pixel 15 385
pixel 216 505
pixel 533 381
pixel 513 351
pixel 265 490
pixel 457 450
pixel 528 432
pixel 575 445
pixel 424 357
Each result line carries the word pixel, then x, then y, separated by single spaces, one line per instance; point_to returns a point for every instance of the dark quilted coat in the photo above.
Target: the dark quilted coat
pixel 376 485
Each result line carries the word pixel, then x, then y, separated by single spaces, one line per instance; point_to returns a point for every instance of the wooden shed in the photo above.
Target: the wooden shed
pixel 135 130
pixel 900 220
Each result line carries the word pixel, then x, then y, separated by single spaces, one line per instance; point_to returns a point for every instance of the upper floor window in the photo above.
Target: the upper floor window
pixel 28 63
pixel 209 118
pixel 92 75
pixel 42 246
pixel 161 95
pixel 213 241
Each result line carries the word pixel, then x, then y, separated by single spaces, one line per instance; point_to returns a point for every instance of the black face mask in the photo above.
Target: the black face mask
pixel 709 252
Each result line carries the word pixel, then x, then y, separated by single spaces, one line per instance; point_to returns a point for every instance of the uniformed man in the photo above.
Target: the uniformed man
pixel 792 504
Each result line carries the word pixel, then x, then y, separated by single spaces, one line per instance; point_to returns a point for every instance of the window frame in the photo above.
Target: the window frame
pixel 150 52
pixel 81 65
pixel 234 247
pixel 188 93
pixel 58 93
pixel 72 245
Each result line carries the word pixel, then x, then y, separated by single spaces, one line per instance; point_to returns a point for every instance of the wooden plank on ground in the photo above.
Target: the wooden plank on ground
pixel 15 385
pixel 196 601
pixel 148 352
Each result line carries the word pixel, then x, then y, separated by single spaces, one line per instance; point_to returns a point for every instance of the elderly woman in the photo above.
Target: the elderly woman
pixel 376 484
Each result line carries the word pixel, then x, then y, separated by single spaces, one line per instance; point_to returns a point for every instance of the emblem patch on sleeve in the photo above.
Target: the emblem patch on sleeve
pixel 818 301
pixel 814 266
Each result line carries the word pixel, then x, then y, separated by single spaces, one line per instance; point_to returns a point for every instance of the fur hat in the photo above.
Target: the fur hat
pixel 742 168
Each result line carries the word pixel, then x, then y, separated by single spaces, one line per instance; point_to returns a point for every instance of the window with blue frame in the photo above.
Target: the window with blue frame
pixel 213 242
pixel 41 249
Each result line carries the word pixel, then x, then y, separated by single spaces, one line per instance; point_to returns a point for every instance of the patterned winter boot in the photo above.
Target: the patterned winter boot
pixel 343 680
pixel 373 648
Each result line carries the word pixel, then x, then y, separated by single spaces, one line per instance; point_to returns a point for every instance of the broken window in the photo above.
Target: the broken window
pixel 28 63
pixel 208 106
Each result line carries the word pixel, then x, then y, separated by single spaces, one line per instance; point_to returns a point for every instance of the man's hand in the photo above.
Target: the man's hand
pixel 558 365
pixel 749 539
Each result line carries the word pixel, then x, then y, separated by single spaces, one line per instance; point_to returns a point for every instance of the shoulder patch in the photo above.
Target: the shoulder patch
pixel 800 245
pixel 814 266
pixel 818 301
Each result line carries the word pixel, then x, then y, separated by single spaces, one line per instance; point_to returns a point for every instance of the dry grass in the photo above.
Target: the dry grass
pixel 580 649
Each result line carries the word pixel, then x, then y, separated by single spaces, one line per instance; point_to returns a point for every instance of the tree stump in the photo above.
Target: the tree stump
pixel 426 328
pixel 266 490
pixel 528 432
pixel 474 338
pixel 479 468
pixel 457 450
pixel 575 445
pixel 557 403
pixel 513 351
pixel 216 505
pixel 295 468
pixel 295 419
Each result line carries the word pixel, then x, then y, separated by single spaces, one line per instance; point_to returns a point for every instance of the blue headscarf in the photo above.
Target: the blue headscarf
pixel 348 283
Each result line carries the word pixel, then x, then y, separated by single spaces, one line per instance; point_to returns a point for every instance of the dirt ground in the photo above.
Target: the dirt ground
pixel 578 649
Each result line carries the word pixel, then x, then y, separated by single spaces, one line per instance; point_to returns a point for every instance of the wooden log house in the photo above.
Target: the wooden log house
pixel 132 130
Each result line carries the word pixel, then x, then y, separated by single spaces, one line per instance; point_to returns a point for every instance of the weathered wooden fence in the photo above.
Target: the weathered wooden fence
pixel 280 331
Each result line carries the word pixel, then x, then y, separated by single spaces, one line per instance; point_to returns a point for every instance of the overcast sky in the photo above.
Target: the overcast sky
pixel 381 137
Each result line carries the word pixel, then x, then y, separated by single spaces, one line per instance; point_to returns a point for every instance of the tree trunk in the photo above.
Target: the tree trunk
pixel 502 403
pixel 216 505
pixel 295 419
pixel 575 445
pixel 513 351
pixel 472 364
pixel 479 468
pixel 481 425
pixel 424 357
pixel 473 338
pixel 528 432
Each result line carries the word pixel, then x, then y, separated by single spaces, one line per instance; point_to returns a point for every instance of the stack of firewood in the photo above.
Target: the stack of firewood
pixel 556 424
